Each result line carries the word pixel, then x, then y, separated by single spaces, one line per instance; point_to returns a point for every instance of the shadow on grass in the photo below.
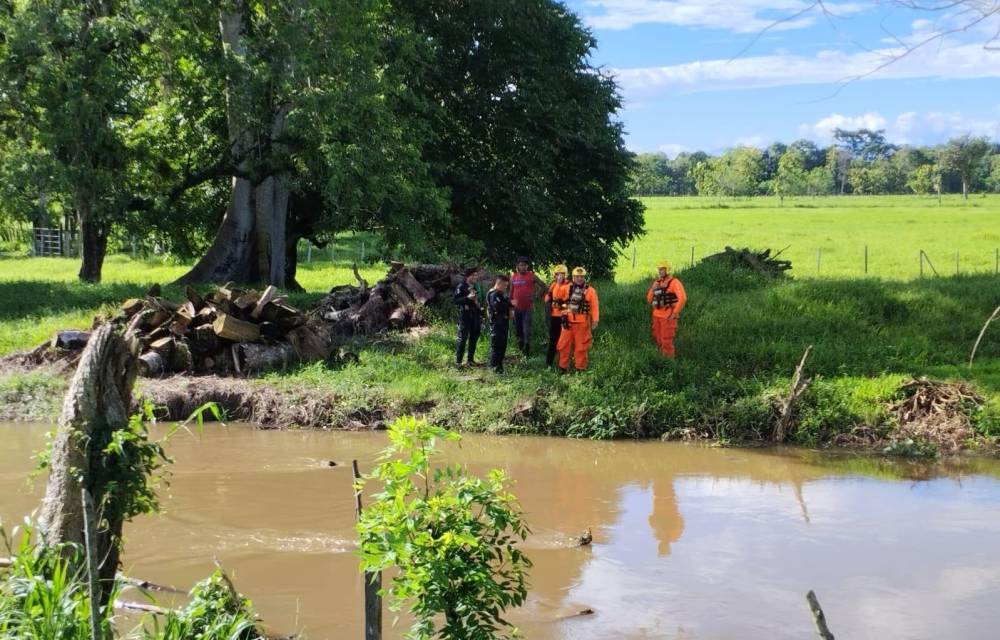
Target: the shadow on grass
pixel 32 298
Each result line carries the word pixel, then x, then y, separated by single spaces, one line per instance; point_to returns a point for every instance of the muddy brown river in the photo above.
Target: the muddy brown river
pixel 689 542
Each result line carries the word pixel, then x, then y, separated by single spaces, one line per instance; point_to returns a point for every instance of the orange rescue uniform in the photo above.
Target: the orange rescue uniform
pixel 665 318
pixel 576 336
pixel 555 297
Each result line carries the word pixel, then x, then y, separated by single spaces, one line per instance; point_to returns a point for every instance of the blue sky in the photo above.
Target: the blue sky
pixel 711 74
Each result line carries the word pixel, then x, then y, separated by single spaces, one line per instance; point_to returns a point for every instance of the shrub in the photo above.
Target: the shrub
pixel 452 537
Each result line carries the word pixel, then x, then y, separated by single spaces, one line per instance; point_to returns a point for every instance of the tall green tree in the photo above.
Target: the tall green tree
pixel 69 91
pixel 964 156
pixel 925 179
pixel 523 133
pixel 865 144
pixel 993 177
pixel 311 142
pixel 790 178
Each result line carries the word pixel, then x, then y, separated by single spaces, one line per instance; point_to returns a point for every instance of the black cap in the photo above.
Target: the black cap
pixel 523 259
pixel 471 271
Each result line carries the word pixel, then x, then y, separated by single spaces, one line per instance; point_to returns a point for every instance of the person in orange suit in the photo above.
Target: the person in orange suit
pixel 555 300
pixel 580 318
pixel 667 296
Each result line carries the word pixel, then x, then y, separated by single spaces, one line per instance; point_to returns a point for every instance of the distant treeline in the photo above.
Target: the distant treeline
pixel 859 162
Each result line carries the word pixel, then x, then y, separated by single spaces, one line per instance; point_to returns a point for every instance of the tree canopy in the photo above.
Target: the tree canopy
pixel 468 130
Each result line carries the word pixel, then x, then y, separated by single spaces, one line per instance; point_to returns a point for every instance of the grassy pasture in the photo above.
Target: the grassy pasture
pixel 895 229
pixel 739 341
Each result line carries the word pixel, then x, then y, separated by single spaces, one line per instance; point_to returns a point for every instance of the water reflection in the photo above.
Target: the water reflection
pixel 689 542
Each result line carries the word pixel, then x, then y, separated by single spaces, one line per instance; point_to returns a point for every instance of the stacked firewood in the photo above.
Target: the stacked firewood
pixel 759 262
pixel 394 302
pixel 238 331
pixel 229 330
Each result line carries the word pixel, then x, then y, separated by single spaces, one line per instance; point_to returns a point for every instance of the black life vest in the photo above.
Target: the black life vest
pixel 661 299
pixel 577 301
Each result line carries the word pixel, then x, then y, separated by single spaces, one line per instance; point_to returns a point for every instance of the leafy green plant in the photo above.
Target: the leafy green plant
pixel 42 597
pixel 452 537
pixel 215 611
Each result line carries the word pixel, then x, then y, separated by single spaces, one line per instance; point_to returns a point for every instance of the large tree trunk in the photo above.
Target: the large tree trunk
pixel 250 244
pixel 93 241
pixel 96 405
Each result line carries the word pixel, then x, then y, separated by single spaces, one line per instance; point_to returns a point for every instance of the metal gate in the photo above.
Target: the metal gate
pixel 52 242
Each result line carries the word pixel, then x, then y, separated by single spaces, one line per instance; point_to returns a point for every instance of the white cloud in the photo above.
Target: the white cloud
pixel 752 141
pixel 822 131
pixel 672 149
pixel 825 67
pixel 741 16
pixel 909 127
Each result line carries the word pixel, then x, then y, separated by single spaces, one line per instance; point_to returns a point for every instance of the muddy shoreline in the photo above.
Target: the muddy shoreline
pixel 270 405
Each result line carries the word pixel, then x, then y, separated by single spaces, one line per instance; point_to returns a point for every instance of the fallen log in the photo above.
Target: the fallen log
pixel 258 358
pixel 265 298
pixel 152 364
pixel 231 328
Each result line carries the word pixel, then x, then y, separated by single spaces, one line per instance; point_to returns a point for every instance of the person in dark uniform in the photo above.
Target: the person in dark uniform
pixel 470 319
pixel 499 306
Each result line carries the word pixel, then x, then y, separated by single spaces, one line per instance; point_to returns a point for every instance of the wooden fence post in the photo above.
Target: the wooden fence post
pixel 819 618
pixel 373 580
pixel 633 257
pixel 866 259
pixel 692 256
pixel 956 263
pixel 819 253
pixel 90 551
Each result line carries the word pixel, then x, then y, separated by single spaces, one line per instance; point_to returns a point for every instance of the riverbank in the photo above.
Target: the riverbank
pixel 740 340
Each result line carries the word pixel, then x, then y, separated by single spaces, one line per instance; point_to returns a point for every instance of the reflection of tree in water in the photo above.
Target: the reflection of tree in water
pixel 665 520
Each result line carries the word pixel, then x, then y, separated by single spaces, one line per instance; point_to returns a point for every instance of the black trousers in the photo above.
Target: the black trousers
pixel 498 345
pixel 470 325
pixel 555 330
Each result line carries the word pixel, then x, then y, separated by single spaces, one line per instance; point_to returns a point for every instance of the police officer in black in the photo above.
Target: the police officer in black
pixel 499 306
pixel 470 319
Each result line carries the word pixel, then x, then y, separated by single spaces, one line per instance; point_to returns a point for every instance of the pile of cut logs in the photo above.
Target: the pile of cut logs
pixel 760 262
pixel 235 331
pixel 229 330
pixel 392 303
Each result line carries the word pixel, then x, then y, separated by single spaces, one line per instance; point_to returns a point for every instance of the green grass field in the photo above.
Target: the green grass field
pixel 894 228
pixel 739 341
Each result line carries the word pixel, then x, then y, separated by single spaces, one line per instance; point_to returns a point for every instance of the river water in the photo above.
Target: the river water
pixel 689 542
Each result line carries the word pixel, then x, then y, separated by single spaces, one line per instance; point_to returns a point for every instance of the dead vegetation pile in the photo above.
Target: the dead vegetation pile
pixel 937 414
pixel 759 262
pixel 932 417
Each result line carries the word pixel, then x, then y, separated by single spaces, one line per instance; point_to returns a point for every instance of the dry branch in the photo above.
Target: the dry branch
pixel 787 405
pixel 982 332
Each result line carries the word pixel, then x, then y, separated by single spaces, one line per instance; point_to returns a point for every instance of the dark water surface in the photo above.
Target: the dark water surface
pixel 689 542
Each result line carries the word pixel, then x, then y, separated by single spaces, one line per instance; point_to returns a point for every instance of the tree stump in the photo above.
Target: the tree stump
pixel 96 404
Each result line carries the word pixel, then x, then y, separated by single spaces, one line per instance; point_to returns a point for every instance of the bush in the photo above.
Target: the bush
pixel 452 538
